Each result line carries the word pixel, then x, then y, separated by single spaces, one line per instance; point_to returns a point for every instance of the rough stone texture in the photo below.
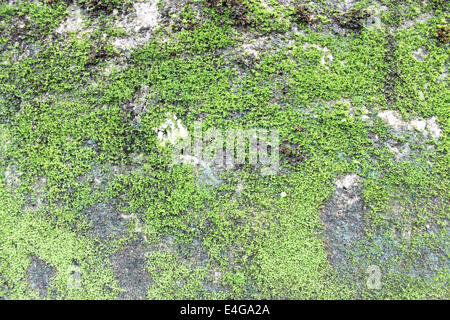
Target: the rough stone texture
pixel 106 222
pixel 420 54
pixel 343 217
pixel 40 275
pixel 428 127
pixel 422 18
pixel 74 22
pixel 139 24
pixel 130 268
pixel 327 56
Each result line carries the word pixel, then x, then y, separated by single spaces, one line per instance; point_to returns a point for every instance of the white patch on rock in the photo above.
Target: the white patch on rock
pixel 347 195
pixel 392 119
pixel 421 95
pixel 171 130
pixel 217 276
pixel 147 14
pixel 422 18
pixel 348 181
pixel 239 187
pixel 352 110
pixel 444 74
pixel 326 58
pixel 427 127
pixel 265 4
pixel 138 25
pixel 345 5
pixel 420 54
pixel 113 66
pixel 419 125
pixel 360 111
pixel 252 48
pixel 5 139
pixel 73 23
pixel 401 153
pixel 374 21
pixel 261 44
pixel 12 176
pixel 433 128
pixel 189 159
pixel 208 172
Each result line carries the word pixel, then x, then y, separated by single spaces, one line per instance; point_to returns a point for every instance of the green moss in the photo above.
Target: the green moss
pixel 66 124
pixel 103 5
pixel 29 21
